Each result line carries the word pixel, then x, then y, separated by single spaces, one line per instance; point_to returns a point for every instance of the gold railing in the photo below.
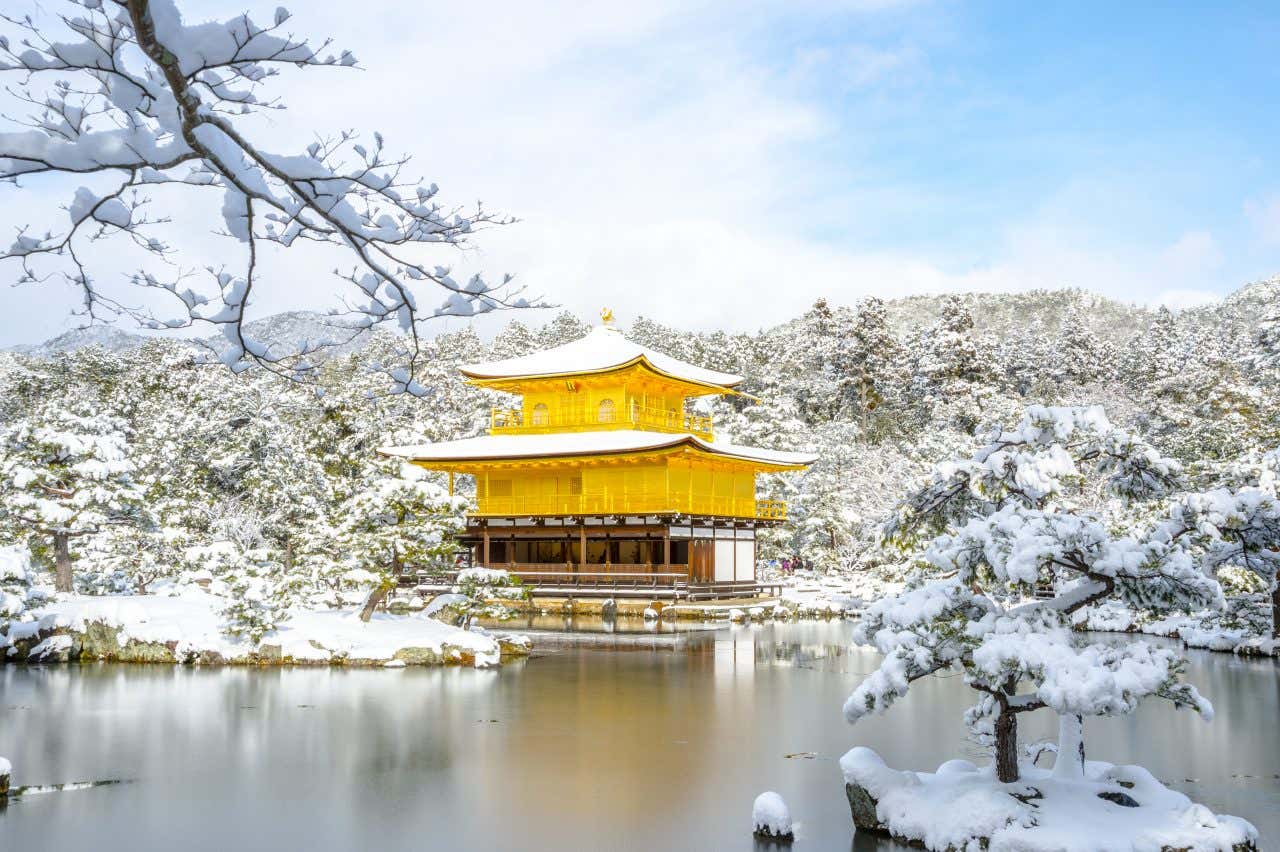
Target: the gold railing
pixel 633 503
pixel 513 421
pixel 771 510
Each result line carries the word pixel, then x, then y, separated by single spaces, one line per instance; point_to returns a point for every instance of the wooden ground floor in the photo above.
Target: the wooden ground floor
pixel 704 549
pixel 672 557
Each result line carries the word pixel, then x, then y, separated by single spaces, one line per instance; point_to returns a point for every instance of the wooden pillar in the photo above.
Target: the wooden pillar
pixel 666 549
pixel 582 546
pixel 450 483
pixel 486 545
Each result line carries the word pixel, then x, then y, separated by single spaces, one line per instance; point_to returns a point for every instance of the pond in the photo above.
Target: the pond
pixel 629 739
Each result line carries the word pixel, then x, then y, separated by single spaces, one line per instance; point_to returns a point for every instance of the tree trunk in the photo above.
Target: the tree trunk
pixel 380 592
pixel 376 596
pixel 1007 747
pixel 63 580
pixel 1275 610
pixel 1069 764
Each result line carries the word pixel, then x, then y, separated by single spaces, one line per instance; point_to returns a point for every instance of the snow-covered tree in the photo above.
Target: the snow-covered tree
pixel 394 523
pixel 66 474
pixel 1026 360
pixel 997 526
pixel 17 582
pixel 1152 355
pixel 1237 524
pixel 1080 356
pixel 131 558
pixel 1269 340
pixel 815 386
pixel 260 591
pixel 154 113
pixel 565 328
pixel 956 372
pixel 1206 408
pixel 514 340
pixel 867 362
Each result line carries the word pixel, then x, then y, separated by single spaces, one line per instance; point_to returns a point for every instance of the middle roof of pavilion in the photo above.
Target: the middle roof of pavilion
pixel 604 349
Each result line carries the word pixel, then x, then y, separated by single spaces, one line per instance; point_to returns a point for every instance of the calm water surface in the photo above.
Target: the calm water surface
pixel 638 741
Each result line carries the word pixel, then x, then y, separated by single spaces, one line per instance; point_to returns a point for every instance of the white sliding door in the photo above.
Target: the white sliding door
pixel 724 560
pixel 745 559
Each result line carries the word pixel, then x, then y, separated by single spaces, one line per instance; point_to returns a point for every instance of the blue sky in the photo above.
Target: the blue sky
pixel 720 164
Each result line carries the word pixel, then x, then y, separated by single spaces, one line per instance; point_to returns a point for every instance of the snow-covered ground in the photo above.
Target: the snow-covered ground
pixel 960 806
pixel 190 626
pixel 840 592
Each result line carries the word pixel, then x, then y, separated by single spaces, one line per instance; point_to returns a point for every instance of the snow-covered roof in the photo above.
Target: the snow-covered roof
pixel 603 348
pixel 494 447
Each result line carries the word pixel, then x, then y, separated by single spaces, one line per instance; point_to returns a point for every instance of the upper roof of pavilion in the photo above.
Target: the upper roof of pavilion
pixel 603 349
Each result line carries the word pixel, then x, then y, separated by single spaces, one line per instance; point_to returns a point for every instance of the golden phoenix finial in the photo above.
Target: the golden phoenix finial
pixel 606 316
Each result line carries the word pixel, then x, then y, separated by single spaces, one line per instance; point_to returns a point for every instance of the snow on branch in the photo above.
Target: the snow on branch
pixel 1013 557
pixel 1033 464
pixel 135 92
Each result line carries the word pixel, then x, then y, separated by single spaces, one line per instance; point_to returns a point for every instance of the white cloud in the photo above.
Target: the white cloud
pixel 1264 216
pixel 662 164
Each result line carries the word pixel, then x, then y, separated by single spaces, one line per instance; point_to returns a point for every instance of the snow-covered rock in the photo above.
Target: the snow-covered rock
pixel 771 818
pixel 964 807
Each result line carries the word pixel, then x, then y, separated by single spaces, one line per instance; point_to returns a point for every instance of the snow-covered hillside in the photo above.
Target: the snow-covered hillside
pixel 879 391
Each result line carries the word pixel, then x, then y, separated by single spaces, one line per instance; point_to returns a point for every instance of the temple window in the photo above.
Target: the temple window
pixel 541 416
pixel 607 412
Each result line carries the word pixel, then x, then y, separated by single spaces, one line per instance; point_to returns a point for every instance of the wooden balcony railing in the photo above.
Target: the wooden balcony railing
pixel 515 421
pixel 671 582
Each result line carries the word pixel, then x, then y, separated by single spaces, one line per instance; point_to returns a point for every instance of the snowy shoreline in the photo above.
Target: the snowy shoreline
pixel 845 594
pixel 187 629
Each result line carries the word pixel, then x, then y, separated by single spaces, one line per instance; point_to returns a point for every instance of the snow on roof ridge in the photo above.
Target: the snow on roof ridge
pixel 602 348
pixel 583 443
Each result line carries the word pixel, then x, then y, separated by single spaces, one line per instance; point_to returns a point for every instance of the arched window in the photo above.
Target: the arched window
pixel 607 412
pixel 541 416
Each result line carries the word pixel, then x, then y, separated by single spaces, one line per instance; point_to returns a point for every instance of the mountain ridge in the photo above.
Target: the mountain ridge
pixel 996 313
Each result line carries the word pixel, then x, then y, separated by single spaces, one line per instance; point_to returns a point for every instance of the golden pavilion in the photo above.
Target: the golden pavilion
pixel 601 480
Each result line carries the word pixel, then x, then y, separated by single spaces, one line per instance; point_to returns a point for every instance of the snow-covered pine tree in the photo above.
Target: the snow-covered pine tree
pixel 1206 408
pixel 1152 355
pixel 956 372
pixel 1268 338
pixel 1080 357
pixel 816 385
pixel 868 364
pixel 1237 524
pixel 132 557
pixel 260 591
pixel 16 583
pixel 997 526
pixel 393 524
pixel 565 328
pixel 1025 359
pixel 514 340
pixel 66 474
